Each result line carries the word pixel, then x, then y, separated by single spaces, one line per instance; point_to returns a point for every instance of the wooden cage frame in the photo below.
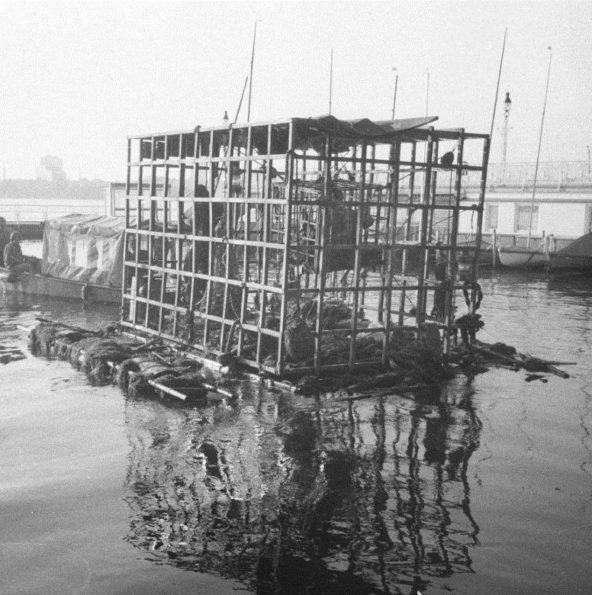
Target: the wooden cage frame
pixel 235 236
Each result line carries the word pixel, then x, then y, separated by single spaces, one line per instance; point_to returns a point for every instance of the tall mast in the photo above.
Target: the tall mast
pixel 331 83
pixel 536 168
pixel 499 76
pixel 251 72
pixel 427 91
pixel 395 94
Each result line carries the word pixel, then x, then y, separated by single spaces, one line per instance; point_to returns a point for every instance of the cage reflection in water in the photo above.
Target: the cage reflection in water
pixel 370 497
pixel 284 242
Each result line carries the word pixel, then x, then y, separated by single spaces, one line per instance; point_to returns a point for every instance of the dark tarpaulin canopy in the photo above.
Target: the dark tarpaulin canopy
pixel 310 131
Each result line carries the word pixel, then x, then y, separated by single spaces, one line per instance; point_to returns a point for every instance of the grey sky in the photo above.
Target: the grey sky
pixel 78 77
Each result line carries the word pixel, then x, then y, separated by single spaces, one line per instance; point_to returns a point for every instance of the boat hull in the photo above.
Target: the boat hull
pixel 516 257
pixel 36 284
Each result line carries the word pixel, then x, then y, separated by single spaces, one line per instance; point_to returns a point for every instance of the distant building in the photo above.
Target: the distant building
pixel 25 204
pixel 51 168
pixel 562 203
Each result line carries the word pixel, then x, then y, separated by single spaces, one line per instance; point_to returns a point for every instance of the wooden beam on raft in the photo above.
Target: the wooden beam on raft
pixel 167 389
pixel 216 389
pixel 424 235
pixel 71 327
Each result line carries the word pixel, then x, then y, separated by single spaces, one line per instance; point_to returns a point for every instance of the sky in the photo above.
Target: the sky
pixel 79 77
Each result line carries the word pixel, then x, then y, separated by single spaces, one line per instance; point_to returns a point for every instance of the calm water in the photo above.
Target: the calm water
pixel 486 487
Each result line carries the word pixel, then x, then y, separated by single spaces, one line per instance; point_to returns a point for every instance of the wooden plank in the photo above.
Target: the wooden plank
pixel 168 390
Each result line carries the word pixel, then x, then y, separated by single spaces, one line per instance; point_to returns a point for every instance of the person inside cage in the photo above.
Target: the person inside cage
pixel 442 287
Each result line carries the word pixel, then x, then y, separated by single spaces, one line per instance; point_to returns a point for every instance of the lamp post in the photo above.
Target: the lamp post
pixel 507 108
pixel 588 147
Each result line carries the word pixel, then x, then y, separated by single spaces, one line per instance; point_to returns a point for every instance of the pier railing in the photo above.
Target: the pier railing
pixel 568 176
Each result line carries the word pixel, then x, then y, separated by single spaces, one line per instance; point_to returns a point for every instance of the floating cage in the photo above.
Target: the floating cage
pixel 300 246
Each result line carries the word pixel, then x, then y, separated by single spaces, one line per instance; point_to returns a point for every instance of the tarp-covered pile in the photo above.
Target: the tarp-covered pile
pixel 580 247
pixel 85 248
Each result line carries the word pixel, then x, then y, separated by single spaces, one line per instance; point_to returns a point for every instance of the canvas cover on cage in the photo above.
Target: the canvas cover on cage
pixel 84 248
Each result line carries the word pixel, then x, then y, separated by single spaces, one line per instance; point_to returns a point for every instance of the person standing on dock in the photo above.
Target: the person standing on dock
pixel 4 239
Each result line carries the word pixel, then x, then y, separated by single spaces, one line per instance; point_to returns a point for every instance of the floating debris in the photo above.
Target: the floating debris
pixel 10 354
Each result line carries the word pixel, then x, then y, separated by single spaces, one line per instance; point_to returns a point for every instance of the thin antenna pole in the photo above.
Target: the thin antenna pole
pixel 536 168
pixel 425 147
pixel 499 76
pixel 251 72
pixel 395 94
pixel 241 100
pixel 427 91
pixel 331 84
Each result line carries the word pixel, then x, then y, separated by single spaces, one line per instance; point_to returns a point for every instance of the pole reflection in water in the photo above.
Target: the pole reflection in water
pixel 289 495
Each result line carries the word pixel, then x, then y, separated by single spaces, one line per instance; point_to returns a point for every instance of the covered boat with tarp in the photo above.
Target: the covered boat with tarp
pixel 82 259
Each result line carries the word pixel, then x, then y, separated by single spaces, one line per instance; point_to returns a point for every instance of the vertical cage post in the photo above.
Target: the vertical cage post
pixel 423 239
pixel 357 256
pixel 480 206
pixel 289 182
pixel 395 167
pixel 320 251
pixel 407 233
pixel 449 318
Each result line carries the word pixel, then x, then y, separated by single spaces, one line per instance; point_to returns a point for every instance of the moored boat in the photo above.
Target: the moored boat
pixel 577 256
pixel 82 260
pixel 38 284
pixel 522 257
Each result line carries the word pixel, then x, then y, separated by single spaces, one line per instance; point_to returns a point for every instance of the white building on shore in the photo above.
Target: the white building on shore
pixel 561 206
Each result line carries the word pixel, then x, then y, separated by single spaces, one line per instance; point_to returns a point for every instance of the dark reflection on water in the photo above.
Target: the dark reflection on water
pixel 290 495
pixel 287 496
